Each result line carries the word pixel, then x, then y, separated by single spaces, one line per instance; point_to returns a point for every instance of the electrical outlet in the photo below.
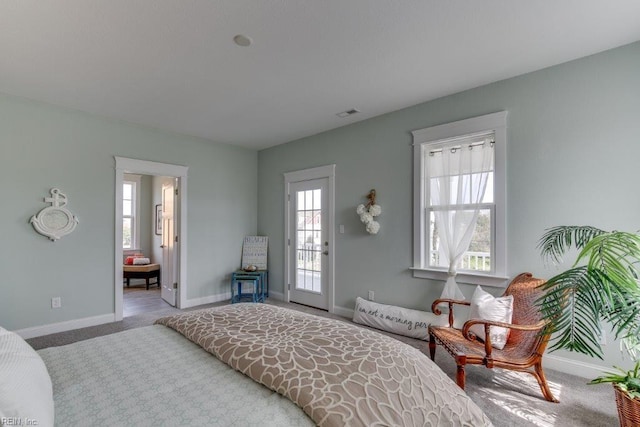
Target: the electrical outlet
pixel 371 296
pixel 603 337
pixel 56 302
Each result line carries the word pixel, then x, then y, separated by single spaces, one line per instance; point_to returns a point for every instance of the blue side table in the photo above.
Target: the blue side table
pixel 257 291
pixel 263 275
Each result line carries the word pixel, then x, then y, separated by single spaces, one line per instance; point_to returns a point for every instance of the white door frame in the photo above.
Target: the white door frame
pixel 145 167
pixel 328 171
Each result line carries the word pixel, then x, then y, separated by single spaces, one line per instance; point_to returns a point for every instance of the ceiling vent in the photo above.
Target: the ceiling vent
pixel 348 113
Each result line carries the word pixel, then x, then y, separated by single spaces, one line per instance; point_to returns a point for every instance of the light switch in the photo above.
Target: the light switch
pixel 341 229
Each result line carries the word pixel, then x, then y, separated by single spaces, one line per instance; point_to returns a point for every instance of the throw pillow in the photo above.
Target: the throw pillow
pixel 26 394
pixel 487 307
pixel 398 320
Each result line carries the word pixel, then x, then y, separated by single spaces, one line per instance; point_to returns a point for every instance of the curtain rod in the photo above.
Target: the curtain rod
pixel 458 147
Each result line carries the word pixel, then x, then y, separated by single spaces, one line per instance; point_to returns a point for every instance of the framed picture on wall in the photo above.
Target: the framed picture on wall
pixel 159 220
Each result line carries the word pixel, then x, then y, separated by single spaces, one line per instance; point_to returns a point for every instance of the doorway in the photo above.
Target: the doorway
pixel 309 260
pixel 173 269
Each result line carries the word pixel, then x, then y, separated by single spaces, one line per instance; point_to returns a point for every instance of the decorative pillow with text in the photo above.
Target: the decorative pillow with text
pixel 399 320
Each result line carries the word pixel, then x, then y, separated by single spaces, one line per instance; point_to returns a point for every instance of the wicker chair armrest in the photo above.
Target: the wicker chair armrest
pixel 450 302
pixel 469 323
pixel 488 347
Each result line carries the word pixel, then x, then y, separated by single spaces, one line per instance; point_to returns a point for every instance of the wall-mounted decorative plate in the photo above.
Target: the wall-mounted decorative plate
pixel 54 221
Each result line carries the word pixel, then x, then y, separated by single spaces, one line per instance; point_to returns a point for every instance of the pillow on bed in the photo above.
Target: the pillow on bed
pixel 487 307
pixel 399 320
pixel 25 389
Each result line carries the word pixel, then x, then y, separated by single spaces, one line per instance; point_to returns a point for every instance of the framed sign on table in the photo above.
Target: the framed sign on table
pixel 254 252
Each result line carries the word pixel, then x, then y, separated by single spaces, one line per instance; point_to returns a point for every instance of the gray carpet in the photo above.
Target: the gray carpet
pixel 508 398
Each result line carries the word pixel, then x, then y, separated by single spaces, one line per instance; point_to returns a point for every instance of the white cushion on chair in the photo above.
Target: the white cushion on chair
pixel 487 307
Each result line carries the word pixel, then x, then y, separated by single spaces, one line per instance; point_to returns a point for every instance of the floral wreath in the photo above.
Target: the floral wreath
pixel 368 212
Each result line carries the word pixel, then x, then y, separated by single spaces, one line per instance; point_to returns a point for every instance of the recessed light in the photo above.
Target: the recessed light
pixel 348 113
pixel 242 40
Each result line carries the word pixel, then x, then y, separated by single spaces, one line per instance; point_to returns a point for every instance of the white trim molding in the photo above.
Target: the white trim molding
pixel 573 367
pixel 69 325
pixel 145 167
pixel 329 172
pixel 344 312
pixel 497 123
pixel 194 302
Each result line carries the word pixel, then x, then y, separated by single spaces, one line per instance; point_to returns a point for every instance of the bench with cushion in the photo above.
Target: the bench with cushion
pixel 147 271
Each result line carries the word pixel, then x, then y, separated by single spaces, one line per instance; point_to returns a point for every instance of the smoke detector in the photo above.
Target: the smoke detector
pixel 242 40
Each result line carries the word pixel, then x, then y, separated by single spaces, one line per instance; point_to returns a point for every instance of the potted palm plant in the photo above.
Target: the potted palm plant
pixel 601 285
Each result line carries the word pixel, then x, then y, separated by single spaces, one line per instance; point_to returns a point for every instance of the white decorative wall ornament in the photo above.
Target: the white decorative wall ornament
pixel 54 221
pixel 368 212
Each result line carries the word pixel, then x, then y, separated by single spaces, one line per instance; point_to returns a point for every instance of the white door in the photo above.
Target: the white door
pixel 308 242
pixel 168 292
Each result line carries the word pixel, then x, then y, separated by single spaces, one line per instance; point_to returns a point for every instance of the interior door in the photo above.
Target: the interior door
pixel 168 292
pixel 308 242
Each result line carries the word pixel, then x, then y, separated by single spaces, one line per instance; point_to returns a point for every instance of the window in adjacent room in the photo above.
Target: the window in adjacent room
pixel 130 220
pixel 459 199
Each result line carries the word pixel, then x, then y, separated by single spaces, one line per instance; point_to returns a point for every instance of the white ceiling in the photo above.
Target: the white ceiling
pixel 172 64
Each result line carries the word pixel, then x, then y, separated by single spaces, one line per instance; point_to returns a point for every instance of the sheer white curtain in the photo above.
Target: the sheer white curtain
pixel 458 179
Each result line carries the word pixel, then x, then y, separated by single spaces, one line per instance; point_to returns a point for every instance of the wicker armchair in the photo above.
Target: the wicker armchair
pixel 525 345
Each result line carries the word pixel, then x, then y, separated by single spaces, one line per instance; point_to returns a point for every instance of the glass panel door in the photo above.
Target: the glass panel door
pixel 308 243
pixel 309 240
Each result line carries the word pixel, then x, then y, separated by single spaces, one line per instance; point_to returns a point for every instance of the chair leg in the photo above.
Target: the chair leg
pixel 460 375
pixel 432 347
pixel 233 297
pixel 542 381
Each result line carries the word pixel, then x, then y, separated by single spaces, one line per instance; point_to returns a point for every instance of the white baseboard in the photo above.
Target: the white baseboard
pixel 573 367
pixel 53 328
pixel 225 296
pixel 343 311
pixel 276 295
pixel 340 311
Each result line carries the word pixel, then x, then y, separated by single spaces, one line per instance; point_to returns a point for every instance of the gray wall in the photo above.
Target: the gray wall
pixel 43 146
pixel 572 154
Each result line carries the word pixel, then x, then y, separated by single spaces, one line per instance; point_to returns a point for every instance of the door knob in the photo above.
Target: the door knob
pixel 325 253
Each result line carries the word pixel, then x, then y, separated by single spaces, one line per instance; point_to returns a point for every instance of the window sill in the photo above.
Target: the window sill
pixel 470 278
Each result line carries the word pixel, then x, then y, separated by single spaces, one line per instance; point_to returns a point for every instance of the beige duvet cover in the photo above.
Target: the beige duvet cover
pixel 338 373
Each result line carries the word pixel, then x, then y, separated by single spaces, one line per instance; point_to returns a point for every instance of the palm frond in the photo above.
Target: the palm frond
pixel 624 316
pixel 601 285
pixel 615 254
pixel 572 304
pixel 555 242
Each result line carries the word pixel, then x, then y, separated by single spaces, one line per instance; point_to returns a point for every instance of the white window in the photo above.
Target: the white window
pixel 475 185
pixel 130 208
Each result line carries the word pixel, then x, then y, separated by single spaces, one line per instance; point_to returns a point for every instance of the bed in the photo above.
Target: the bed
pixel 272 366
